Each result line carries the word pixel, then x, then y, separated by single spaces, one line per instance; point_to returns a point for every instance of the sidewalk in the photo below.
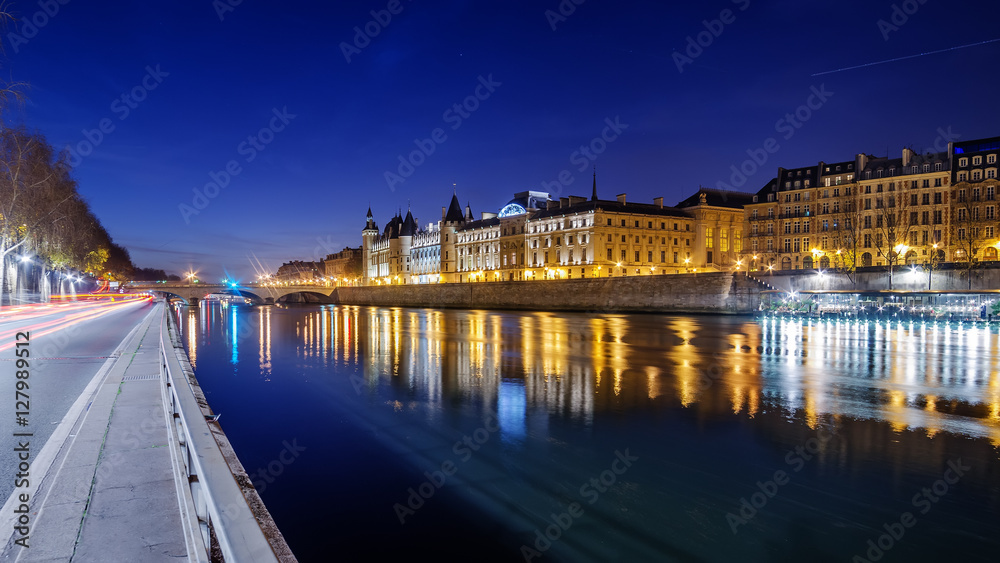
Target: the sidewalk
pixel 110 494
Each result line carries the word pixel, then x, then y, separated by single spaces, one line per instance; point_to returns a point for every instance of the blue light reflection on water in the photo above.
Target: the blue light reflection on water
pixel 711 405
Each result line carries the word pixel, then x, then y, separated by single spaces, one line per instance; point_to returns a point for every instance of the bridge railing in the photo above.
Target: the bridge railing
pixel 217 506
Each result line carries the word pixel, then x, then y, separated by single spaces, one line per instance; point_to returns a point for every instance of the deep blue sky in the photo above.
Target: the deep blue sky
pixel 313 183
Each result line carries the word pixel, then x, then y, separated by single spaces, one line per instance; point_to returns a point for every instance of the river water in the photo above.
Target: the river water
pixel 479 435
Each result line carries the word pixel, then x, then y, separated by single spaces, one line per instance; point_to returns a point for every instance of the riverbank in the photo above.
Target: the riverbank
pixel 721 293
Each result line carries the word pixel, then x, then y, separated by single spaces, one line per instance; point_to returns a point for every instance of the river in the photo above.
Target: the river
pixel 531 436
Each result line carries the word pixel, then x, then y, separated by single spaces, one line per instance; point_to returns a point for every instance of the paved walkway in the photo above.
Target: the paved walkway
pixel 110 494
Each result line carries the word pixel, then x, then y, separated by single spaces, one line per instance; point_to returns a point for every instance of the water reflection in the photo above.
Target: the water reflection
pixel 915 376
pixel 713 404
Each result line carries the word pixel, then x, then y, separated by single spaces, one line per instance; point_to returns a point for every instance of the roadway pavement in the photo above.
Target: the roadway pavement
pixel 108 492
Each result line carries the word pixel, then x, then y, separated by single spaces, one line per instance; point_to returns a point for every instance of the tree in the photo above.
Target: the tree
pixel 34 191
pixel 848 232
pixel 972 224
pixel 11 92
pixel 892 225
pixel 43 215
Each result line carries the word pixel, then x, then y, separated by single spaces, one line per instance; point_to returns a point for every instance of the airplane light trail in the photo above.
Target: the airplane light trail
pixel 908 57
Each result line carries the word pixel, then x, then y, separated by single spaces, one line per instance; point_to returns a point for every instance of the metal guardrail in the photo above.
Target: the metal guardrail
pixel 215 506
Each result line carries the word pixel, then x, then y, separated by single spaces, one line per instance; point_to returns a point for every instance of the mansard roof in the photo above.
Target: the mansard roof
pixel 611 206
pixel 718 198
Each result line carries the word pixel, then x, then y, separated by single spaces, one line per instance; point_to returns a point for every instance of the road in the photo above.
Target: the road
pixel 69 344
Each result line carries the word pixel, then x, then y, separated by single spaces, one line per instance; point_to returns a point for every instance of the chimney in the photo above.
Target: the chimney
pixel 860 162
pixel 444 212
pixel 658 201
pixel 907 156
pixel 563 202
pixel 621 198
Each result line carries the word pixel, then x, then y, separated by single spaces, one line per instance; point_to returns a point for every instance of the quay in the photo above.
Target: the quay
pixel 140 470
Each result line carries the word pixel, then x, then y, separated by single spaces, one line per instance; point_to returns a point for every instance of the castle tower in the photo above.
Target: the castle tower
pixel 406 233
pixel 368 236
pixel 450 223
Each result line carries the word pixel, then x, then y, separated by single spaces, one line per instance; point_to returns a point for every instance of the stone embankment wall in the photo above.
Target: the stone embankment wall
pixel 682 293
pixel 948 278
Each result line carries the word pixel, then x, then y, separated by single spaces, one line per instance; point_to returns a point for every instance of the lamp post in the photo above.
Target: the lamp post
pixel 687 264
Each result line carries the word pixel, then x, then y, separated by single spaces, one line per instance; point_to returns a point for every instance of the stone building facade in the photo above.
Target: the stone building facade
pixel 918 209
pixel 534 237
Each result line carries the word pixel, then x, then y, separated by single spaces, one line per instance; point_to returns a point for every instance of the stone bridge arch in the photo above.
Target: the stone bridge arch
pixel 192 294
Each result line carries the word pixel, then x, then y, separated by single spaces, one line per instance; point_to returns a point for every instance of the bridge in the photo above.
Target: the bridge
pixel 192 293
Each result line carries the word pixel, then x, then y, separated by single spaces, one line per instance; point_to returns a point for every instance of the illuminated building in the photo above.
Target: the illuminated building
pixel 873 211
pixel 534 237
pixel 343 266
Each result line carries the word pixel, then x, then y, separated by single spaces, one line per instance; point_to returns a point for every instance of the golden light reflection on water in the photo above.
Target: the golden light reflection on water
pixel 192 321
pixel 911 376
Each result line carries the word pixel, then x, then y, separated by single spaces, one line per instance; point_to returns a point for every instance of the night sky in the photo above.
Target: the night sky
pixel 335 128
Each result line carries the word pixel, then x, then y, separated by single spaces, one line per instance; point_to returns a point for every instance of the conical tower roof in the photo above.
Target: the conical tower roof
pixel 409 227
pixel 454 211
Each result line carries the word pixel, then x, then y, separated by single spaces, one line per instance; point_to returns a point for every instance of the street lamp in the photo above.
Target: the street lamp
pixel 687 265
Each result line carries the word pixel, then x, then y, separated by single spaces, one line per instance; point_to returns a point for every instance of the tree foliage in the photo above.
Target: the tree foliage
pixel 43 215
